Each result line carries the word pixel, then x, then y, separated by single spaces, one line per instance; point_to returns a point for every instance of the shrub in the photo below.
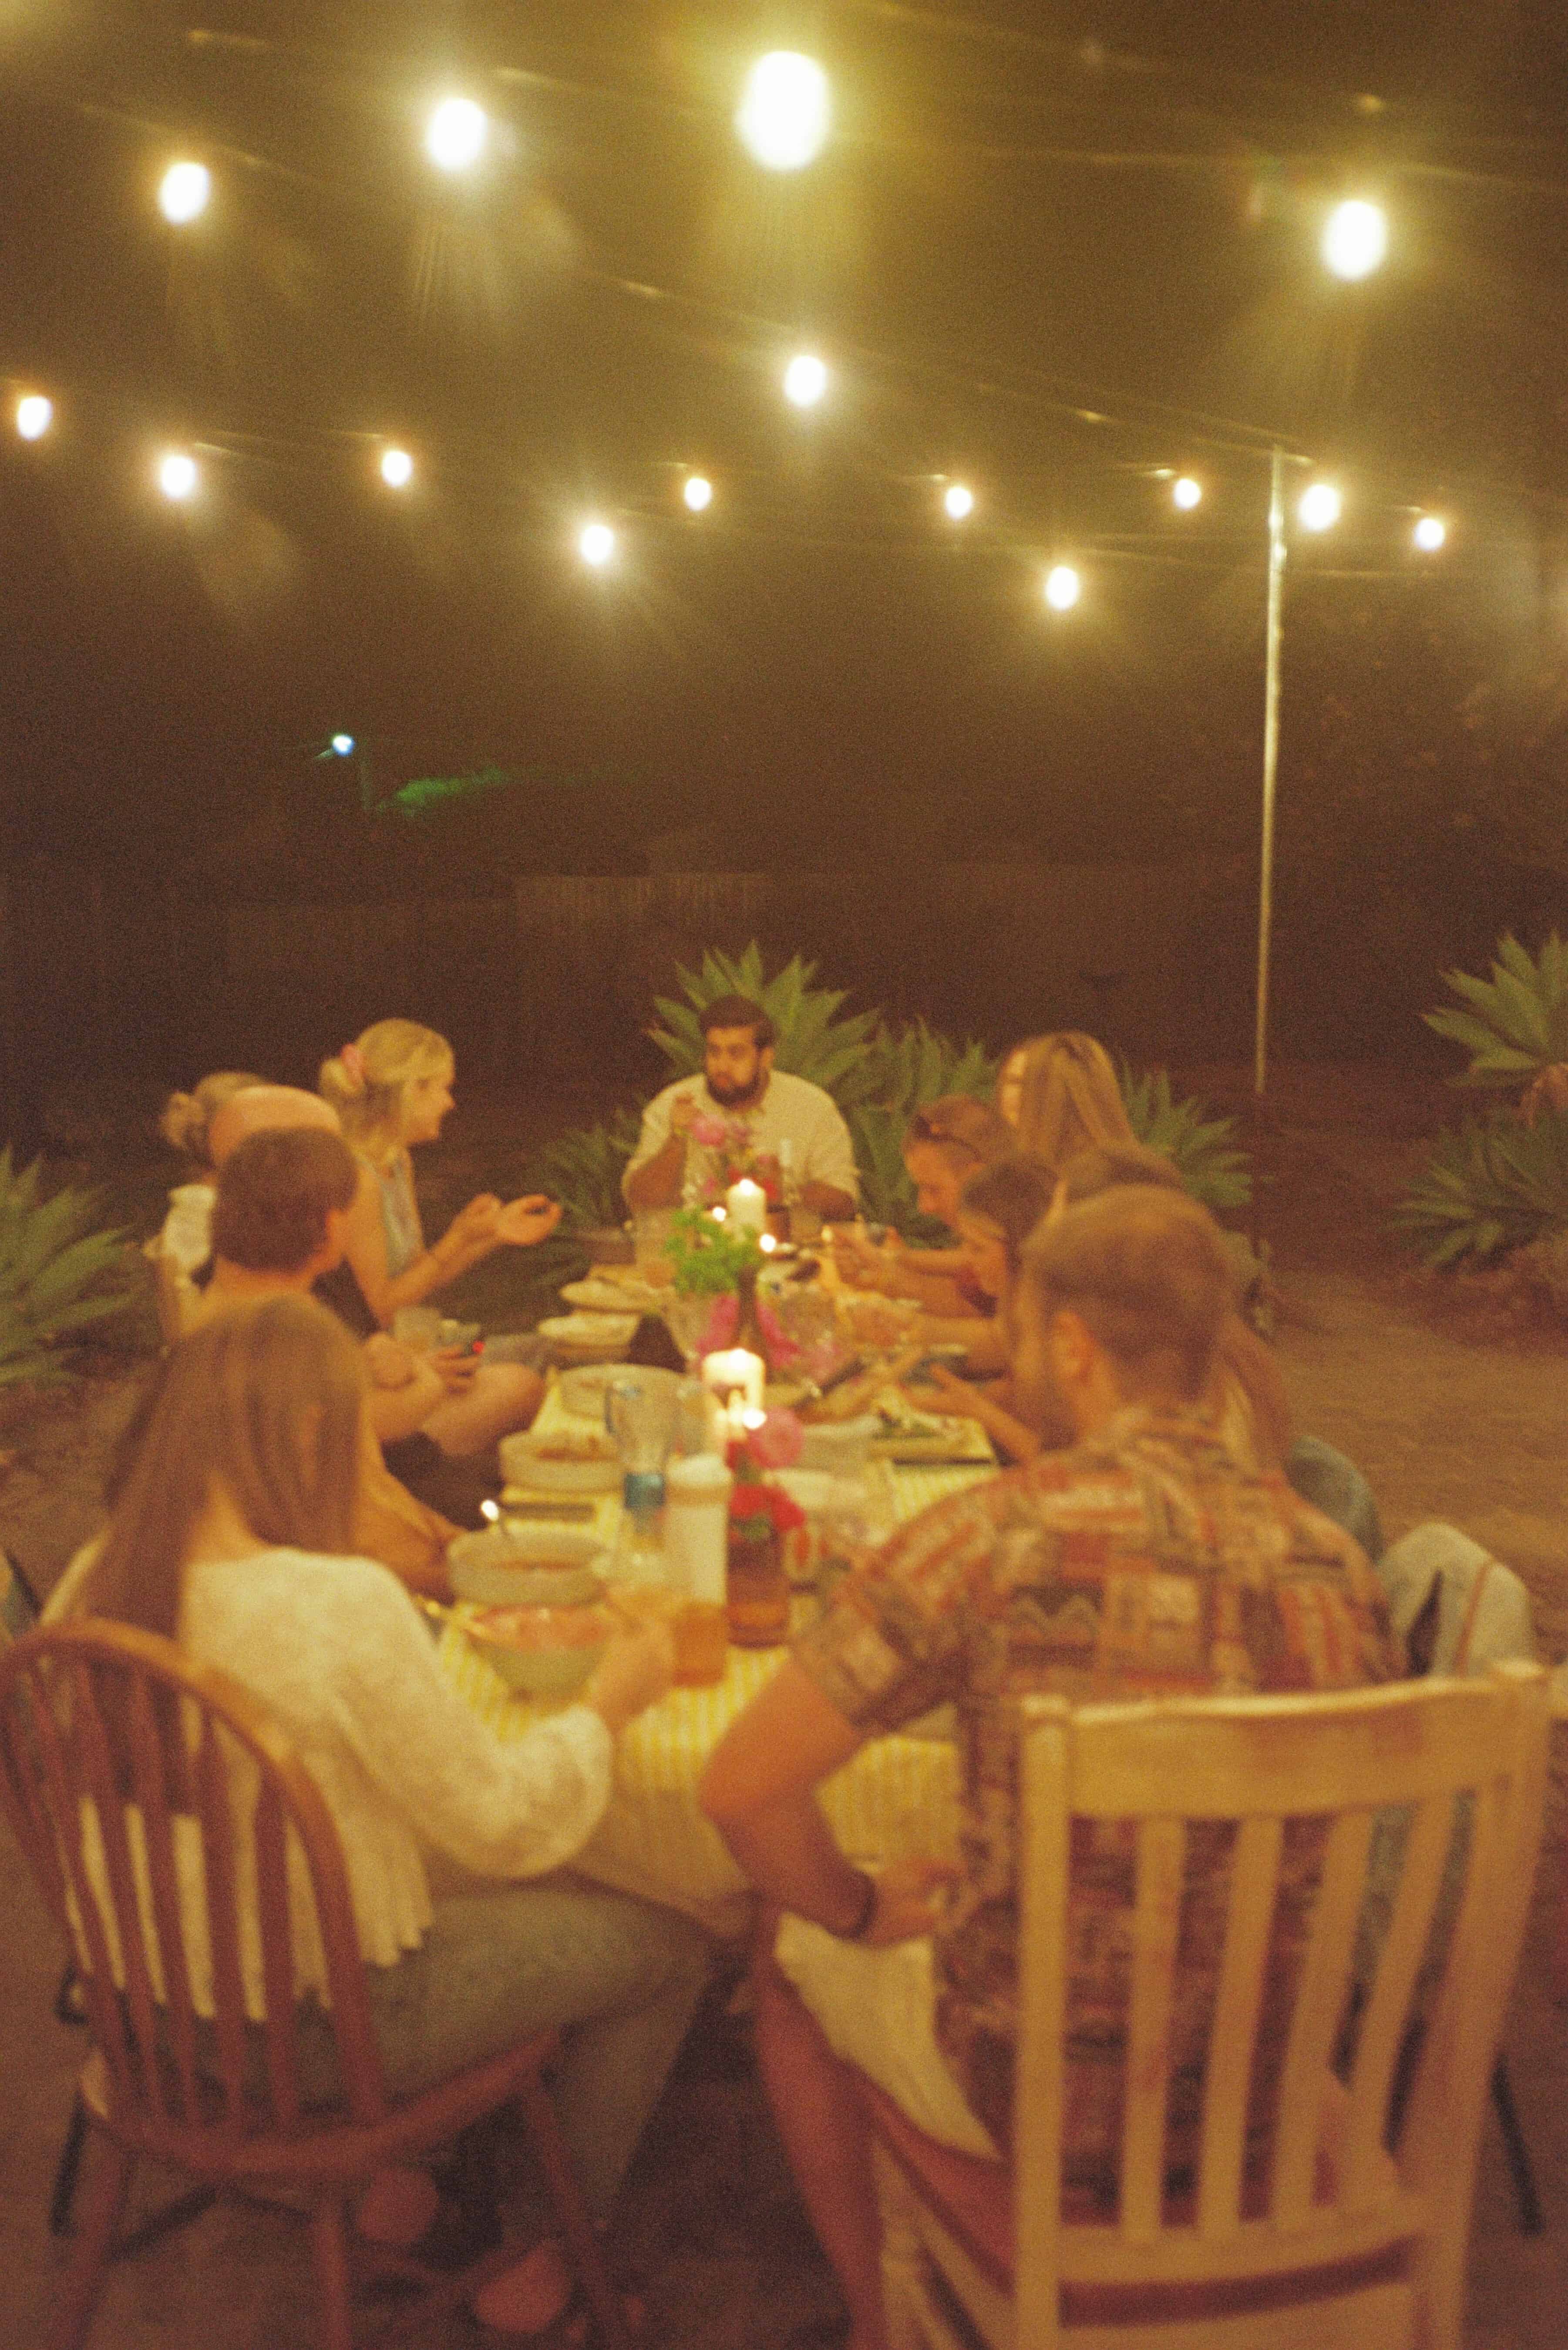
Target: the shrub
pixel 1201 1149
pixel 1516 1029
pixel 583 1170
pixel 60 1277
pixel 1491 1187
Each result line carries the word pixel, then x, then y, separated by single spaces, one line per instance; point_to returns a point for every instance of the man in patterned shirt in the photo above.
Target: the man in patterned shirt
pixel 1143 1562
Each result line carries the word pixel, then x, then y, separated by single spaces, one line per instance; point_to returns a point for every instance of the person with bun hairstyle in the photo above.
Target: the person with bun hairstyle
pixel 185 1242
pixel 391 1089
pixel 232 1534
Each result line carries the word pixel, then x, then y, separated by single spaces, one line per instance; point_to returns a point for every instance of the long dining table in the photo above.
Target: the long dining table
pixel 896 1798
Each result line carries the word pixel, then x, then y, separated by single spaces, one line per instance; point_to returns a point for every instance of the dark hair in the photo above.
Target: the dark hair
pixel 274 1196
pixel 739 1011
pixel 1147 1271
pixel 1012 1194
pixel 967 1132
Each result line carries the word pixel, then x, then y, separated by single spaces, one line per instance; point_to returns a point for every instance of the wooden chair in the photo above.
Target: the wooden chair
pixel 118 1772
pixel 1360 2242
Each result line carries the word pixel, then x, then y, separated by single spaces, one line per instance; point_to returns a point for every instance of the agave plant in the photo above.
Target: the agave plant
pixel 1516 1027
pixel 887 1189
pixel 812 1040
pixel 921 1065
pixel 583 1170
pixel 1201 1149
pixel 60 1276
pixel 1488 1188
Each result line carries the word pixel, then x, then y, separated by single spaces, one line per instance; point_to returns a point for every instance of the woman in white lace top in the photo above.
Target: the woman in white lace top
pixel 231 1535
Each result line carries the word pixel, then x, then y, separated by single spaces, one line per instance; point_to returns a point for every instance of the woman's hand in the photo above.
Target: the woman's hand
pixel 472 1229
pixel 908 1900
pixel 389 1363
pixel 457 1367
pixel 862 1262
pixel 525 1222
pixel 636 1668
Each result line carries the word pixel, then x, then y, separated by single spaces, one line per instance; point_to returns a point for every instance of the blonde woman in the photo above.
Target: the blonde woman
pixel 391 1089
pixel 1060 1096
pixel 185 1242
pixel 231 1530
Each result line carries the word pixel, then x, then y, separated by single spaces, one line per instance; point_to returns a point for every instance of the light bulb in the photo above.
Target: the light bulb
pixel 177 475
pixel 1321 506
pixel 698 493
pixel 397 468
pixel 805 380
pixel 455 134
pixel 596 544
pixel 1356 239
pixel 1063 587
pixel 1430 534
pixel 183 193
pixel 35 414
pixel 784 111
pixel 1186 494
pixel 958 504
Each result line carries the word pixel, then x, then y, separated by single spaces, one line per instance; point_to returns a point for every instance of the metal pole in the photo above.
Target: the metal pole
pixel 1271 760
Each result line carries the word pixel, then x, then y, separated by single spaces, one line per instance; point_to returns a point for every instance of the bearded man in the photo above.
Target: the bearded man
pixel 743 1116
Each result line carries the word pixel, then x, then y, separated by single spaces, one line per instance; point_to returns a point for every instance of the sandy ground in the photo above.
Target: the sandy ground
pixel 1444 1424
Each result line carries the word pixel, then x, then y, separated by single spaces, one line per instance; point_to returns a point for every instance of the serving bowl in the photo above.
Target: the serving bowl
pixel 561 1461
pixel 540 1652
pixel 517 1567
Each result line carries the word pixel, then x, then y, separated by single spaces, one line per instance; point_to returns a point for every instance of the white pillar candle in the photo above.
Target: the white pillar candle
pixel 746 1206
pixel 735 1378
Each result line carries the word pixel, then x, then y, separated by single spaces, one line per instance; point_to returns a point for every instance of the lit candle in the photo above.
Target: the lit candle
pixel 747 1205
pixel 735 1378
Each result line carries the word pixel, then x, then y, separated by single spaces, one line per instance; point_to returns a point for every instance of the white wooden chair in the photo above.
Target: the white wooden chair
pixel 1363 2237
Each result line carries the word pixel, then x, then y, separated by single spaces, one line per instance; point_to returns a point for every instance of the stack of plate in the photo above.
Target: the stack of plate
pixel 588 1337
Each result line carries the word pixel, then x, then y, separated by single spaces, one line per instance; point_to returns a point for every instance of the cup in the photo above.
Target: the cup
pixel 418 1327
pixel 640 1414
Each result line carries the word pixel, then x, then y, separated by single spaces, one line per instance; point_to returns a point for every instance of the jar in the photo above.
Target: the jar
pixel 756 1584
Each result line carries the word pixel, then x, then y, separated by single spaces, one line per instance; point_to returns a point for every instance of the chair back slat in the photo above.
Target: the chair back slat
pixel 110 1739
pixel 37 1749
pixel 105 1792
pixel 1233 2038
pixel 1384 2022
pixel 214 1811
pixel 1320 2005
pixel 1157 1927
pixel 149 1793
pixel 277 1954
pixel 1296 1784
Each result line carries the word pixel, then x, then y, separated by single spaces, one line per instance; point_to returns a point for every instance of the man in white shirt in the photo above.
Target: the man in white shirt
pixel 698 1129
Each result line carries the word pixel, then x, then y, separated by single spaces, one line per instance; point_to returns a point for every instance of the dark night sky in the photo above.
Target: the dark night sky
pixel 1027 212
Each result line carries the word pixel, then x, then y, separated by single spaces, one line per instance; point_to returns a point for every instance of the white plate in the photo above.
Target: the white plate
pixel 610 1296
pixel 521 1463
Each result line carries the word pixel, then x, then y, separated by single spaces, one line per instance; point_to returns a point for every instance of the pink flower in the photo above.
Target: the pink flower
pixel 710 1133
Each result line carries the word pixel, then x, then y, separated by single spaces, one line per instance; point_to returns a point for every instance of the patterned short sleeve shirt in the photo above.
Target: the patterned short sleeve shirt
pixel 1147 1563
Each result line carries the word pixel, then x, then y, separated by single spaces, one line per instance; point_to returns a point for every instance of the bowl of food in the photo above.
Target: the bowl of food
pixel 511 1565
pixel 582 1337
pixel 583 1390
pixel 561 1461
pixel 540 1652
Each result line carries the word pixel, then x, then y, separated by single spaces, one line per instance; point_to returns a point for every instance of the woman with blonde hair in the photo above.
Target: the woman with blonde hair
pixel 391 1089
pixel 185 1241
pixel 231 1535
pixel 1060 1094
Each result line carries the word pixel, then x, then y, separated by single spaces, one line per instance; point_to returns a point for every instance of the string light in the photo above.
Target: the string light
pixel 1430 534
pixel 595 543
pixel 1321 506
pixel 785 111
pixel 183 193
pixel 343 746
pixel 1356 239
pixel 958 502
pixel 1063 587
pixel 35 414
pixel 1186 494
pixel 177 475
pixel 698 493
pixel 455 134
pixel 805 380
pixel 397 468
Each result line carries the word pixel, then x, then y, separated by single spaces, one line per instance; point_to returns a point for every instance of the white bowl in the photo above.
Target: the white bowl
pixel 506 1565
pixel 590 1337
pixel 525 1460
